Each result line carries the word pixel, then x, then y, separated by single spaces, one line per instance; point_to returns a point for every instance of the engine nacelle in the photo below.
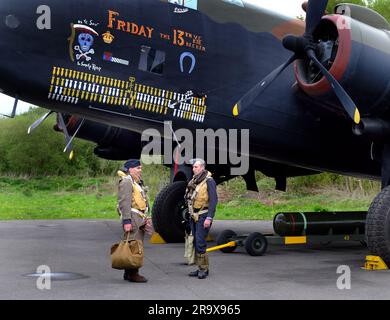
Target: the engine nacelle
pixel 358 56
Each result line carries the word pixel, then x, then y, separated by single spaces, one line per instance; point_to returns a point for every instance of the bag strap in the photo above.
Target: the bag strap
pixel 127 235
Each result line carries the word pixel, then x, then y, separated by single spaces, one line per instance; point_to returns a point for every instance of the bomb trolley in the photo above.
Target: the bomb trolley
pixel 298 228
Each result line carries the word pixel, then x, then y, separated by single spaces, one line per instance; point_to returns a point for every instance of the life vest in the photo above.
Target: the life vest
pixel 139 200
pixel 201 195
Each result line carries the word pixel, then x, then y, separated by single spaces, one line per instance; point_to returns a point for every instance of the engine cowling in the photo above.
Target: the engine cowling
pixel 358 56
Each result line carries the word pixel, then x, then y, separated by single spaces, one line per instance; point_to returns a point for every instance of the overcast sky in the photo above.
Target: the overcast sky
pixel 287 7
pixel 291 8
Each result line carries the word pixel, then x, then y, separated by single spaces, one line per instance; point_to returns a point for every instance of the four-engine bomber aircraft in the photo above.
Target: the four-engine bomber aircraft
pixel 111 69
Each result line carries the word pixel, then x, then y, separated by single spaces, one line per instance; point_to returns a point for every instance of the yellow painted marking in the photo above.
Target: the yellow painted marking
pixel 295 240
pixel 375 263
pixel 227 245
pixel 357 116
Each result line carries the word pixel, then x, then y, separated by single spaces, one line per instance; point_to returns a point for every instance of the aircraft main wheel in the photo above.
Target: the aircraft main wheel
pixel 168 212
pixel 378 226
pixel 224 237
pixel 256 244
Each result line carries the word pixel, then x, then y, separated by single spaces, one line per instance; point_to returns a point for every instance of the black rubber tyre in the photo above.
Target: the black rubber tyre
pixel 256 244
pixel 225 237
pixel 167 213
pixel 378 226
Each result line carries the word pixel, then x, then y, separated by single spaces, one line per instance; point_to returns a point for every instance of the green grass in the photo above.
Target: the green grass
pixel 95 197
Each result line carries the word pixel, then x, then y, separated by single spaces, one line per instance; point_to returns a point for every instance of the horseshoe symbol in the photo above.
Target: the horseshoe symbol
pixel 193 61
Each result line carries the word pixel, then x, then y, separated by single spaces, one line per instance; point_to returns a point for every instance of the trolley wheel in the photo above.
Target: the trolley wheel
pixel 225 237
pixel 256 244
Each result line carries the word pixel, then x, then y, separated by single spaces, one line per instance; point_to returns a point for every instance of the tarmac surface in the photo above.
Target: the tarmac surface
pixel 81 247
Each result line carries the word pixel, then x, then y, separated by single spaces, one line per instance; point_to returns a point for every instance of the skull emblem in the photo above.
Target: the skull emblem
pixel 85 41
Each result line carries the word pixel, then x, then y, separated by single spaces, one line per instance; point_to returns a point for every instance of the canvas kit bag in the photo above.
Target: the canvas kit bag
pixel 127 254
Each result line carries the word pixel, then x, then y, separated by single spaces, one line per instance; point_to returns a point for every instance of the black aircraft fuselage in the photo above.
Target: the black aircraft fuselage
pixel 124 63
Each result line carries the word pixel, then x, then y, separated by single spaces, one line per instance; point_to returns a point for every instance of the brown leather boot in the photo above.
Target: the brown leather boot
pixel 134 276
pixel 126 275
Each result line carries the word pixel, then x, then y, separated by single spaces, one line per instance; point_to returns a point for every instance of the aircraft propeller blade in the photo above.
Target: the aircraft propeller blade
pixel 314 13
pixel 251 95
pixel 69 145
pixel 37 123
pixel 303 47
pixel 66 136
pixel 344 98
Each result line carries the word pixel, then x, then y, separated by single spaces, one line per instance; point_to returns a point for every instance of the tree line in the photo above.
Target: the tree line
pixel 41 152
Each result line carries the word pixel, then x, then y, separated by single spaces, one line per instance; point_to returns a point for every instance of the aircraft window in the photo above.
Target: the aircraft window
pixel 152 60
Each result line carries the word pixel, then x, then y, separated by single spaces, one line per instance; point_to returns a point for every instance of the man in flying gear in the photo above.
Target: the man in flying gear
pixel 202 199
pixel 133 207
